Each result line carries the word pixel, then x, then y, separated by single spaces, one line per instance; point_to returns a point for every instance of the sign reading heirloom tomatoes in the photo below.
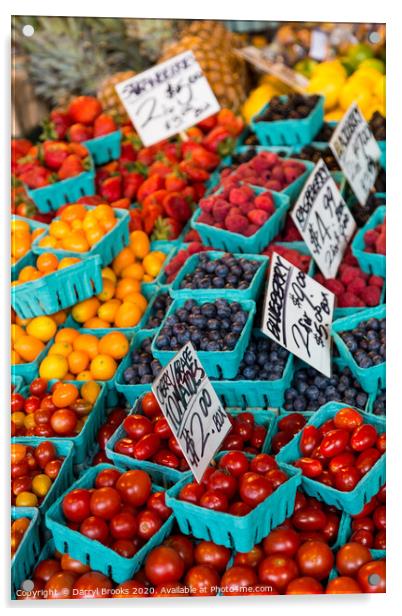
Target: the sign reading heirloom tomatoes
pixel 356 151
pixel 192 408
pixel 324 220
pixel 298 314
pixel 168 98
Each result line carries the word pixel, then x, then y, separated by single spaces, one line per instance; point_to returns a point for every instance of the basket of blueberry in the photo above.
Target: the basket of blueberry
pixel 264 374
pixel 361 342
pixel 289 120
pixel 237 276
pixel 156 311
pixel 138 369
pixel 219 330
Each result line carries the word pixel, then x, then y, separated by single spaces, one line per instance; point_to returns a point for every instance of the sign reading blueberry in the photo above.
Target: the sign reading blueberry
pixel 298 314
pixel 192 408
pixel 356 151
pixel 168 98
pixel 324 220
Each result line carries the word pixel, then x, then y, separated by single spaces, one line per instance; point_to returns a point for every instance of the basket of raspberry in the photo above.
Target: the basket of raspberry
pixel 57 173
pixel 52 284
pixel 239 500
pixel 355 290
pixel 369 244
pixel 264 373
pixel 218 329
pixel 289 120
pixel 110 519
pixel 295 252
pixel 240 276
pixel 268 170
pixel 361 342
pixel 341 454
pixel 176 259
pixel 240 218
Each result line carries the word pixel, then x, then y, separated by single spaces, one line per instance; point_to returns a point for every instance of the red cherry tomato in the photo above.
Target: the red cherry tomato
pixel 249 559
pixel 222 481
pixel 125 547
pixel 46 569
pixel 52 468
pixel 331 527
pixel 364 537
pixel 346 479
pixel 107 478
pixel 38 387
pixel 342 460
pixel 309 467
pixel 262 463
pixel 379 517
pixel 239 508
pixel 327 426
pixel 279 440
pixel 163 565
pixel 235 462
pixel 203 581
pixel 254 490
pixel 372 576
pixel 165 457
pixel 215 556
pixel 243 429
pixel 283 541
pixel 157 503
pixel 137 426
pixel 343 586
pixel 105 503
pixel 304 586
pixel 350 557
pixel 175 448
pixel 161 427
pixel 183 546
pixel 277 570
pixel 291 423
pixel 276 477
pixel 214 500
pixel 380 541
pixel 381 443
pixel 125 446
pixel 123 525
pixel 192 492
pixel 366 460
pixel 95 528
pixel 17 403
pixel 258 437
pixel 363 437
pixel 348 419
pixel 92 585
pixel 63 421
pixel 309 439
pixel 60 585
pixel 315 559
pixel 32 404
pixel 232 442
pixel 76 506
pixel 147 446
pixel 334 443
pixel 134 487
pixel 116 416
pixel 238 581
pixel 309 518
pixel 148 524
pixel 363 524
pixel 150 406
pixel 104 434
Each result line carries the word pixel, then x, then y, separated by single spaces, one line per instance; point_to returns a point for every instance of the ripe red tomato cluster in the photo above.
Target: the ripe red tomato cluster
pixel 114 419
pixel 60 412
pixel 358 572
pixel 341 451
pixel 33 470
pixel 238 485
pixel 313 519
pixel 245 434
pixel 150 438
pixel 369 526
pixel 288 426
pixel 120 510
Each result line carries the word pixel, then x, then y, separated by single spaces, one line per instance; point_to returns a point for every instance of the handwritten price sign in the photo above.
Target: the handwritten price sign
pixel 168 98
pixel 192 408
pixel 357 152
pixel 324 220
pixel 298 314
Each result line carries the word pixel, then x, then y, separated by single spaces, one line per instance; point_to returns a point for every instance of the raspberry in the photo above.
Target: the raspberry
pixel 335 286
pixel 206 204
pixel 349 273
pixel 265 202
pixel 376 281
pixel 205 218
pixel 371 295
pixel 381 244
pixel 350 300
pixel 251 229
pixel 258 217
pixel 370 237
pixel 220 210
pixel 239 196
pixel 236 223
pixel 273 185
pixel 357 285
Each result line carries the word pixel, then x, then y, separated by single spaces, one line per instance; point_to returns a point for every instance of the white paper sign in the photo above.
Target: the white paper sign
pixel 192 408
pixel 298 314
pixel 168 98
pixel 356 151
pixel 318 45
pixel 323 219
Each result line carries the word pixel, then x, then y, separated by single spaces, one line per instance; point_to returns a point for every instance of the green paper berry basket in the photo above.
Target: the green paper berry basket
pixel 289 132
pixel 235 242
pixel 252 291
pixel 51 197
pixel 371 378
pixel 28 550
pixel 84 441
pixel 93 553
pixel 28 258
pixel 64 479
pixel 132 392
pixel 241 533
pixel 58 290
pixel 104 148
pixel 370 263
pixel 215 363
pixel 350 502
pixel 148 314
pixel 108 247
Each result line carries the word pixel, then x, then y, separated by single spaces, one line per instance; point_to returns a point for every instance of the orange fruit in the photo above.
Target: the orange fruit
pixel 138 299
pixel 95 323
pixel 61 348
pixel 73 211
pixel 126 286
pixel 69 376
pixel 26 273
pixel 36 233
pixel 48 242
pixel 86 375
pixel 103 367
pixel 94 235
pixel 15 358
pixel 20 243
pixel 78 361
pixel 59 229
pixel 28 347
pixel 90 391
pixel 16 332
pixel 123 260
pixel 75 242
pixel 77 224
pixel 89 222
pixel 128 315
pixel 85 310
pixel 43 328
pixel 53 367
pixel 148 278
pixel 47 262
pixel 114 344
pixel 103 211
pixel 139 242
pixel 20 225
pixel 64 395
pixel 68 261
pixel 59 317
pixel 107 224
pixel 135 270
pixel 67 334
pixel 88 343
pixel 153 262
pixel 107 312
pixel 108 273
pixel 107 291
pixel 22 322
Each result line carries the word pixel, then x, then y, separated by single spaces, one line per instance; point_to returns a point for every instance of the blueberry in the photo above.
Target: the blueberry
pixel 361 400
pixel 320 382
pixel 330 392
pixel 249 358
pixel 147 378
pixel 182 314
pixel 291 393
pixel 212 345
pixel 312 392
pixel 162 342
pixel 299 404
pixel 230 340
pixel 302 387
pixel 208 310
pixel 250 372
pixel 218 283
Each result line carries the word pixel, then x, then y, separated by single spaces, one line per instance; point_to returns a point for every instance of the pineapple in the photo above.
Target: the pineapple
pixel 213 47
pixel 153 34
pixel 110 99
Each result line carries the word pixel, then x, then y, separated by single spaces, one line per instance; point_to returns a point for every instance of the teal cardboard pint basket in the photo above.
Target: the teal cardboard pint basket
pixel 51 197
pixel 369 262
pixel 105 148
pixel 28 550
pixel 28 258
